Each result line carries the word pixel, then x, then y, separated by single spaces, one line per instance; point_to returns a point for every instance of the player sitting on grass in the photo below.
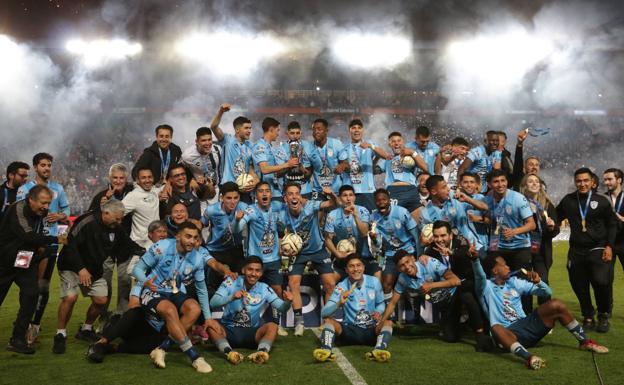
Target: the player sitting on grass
pixel 243 302
pixel 512 329
pixel 361 298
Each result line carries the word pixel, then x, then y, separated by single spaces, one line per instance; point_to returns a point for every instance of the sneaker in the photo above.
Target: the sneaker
pixel 378 355
pixel 322 355
pixel 59 344
pixel 299 329
pixel 603 324
pixel 281 331
pixel 592 346
pixel 158 358
pixel 259 357
pixel 200 365
pixel 87 335
pixel 235 357
pixel 19 346
pixel 589 324
pixel 96 352
pixel 484 343
pixel 199 334
pixel 535 363
pixel 32 334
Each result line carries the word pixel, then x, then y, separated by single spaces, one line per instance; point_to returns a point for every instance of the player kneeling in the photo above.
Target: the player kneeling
pixel 362 300
pixel 510 326
pixel 243 302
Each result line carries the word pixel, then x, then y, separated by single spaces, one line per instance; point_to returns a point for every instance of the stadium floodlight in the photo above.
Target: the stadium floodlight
pixel 10 53
pixel 227 53
pixel 101 51
pixel 368 50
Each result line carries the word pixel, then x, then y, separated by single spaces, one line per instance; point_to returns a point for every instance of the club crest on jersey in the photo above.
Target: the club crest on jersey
pixel 593 205
pixel 508 210
pixel 397 224
pixel 249 209
pixel 514 292
pixel 330 152
pixel 371 294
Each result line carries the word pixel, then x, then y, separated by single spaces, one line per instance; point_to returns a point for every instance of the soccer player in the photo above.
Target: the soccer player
pixel 21 235
pixel 593 227
pixel 301 217
pixel 424 147
pixel 238 151
pixel 243 300
pixel 449 159
pixel 310 159
pixel 17 175
pixel 94 237
pixel 328 150
pixel 393 229
pixel 510 326
pixel 483 159
pixel 471 186
pixel 612 179
pixel 349 222
pixel 204 160
pixel 182 192
pixel 356 164
pixel 58 213
pixel 399 180
pixel 165 270
pixel 160 156
pixel 362 301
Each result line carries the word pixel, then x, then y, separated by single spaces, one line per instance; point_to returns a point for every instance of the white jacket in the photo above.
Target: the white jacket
pixel 145 208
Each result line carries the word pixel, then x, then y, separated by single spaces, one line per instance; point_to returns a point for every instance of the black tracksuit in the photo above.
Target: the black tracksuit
pixel 7 197
pixel 151 159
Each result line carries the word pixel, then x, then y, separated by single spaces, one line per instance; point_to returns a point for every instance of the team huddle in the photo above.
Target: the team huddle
pixel 233 227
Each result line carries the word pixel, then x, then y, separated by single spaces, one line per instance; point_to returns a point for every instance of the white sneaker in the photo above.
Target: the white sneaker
pixel 299 329
pixel 158 357
pixel 201 366
pixel 282 332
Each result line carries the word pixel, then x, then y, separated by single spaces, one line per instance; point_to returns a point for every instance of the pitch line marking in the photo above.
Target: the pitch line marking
pixel 343 363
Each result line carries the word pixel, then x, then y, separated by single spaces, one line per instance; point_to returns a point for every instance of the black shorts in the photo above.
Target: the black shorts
pixel 355 335
pixel 241 337
pixel 271 274
pixel 150 300
pixel 529 330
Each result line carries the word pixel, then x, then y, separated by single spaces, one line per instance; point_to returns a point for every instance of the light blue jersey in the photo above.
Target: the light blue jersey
pixel 263 237
pixel 247 311
pixel 433 271
pixel 360 173
pixel 59 203
pixel 511 212
pixel 428 154
pixel 481 229
pixel 238 157
pixel 343 226
pixel 395 172
pixel 263 151
pixel 309 158
pixel 324 176
pixel 306 225
pixel 483 163
pixel 397 230
pixel 366 298
pixel 503 303
pixel 222 227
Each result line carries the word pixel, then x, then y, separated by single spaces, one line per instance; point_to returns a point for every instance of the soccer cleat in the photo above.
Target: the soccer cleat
pixel 282 332
pixel 259 357
pixel 603 324
pixel 59 344
pixel 322 355
pixel 96 353
pixel 19 346
pixel 87 335
pixel 299 329
pixel 235 357
pixel 200 365
pixel 592 346
pixel 158 358
pixel 535 363
pixel 378 355
pixel 32 334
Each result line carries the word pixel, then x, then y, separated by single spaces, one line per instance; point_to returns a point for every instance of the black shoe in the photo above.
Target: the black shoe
pixel 87 335
pixel 589 324
pixel 19 346
pixel 96 353
pixel 603 324
pixel 484 343
pixel 59 344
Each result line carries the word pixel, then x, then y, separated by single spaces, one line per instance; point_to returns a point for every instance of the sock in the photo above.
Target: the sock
pixel 577 330
pixel 223 346
pixel 166 344
pixel 519 351
pixel 265 346
pixel 42 301
pixel 298 316
pixel 187 347
pixel 327 336
pixel 383 339
pixel 62 331
pixel 86 327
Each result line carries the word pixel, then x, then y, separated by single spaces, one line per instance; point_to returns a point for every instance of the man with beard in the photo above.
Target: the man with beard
pixel 17 175
pixel 423 146
pixel 328 150
pixel 94 237
pixel 310 159
pixel 301 217
pixel 181 191
pixel 449 159
pixel 204 160
pixel 160 156
pixel 612 178
pixel 483 159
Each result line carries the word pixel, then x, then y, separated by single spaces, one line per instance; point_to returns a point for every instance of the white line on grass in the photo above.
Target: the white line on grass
pixel 344 364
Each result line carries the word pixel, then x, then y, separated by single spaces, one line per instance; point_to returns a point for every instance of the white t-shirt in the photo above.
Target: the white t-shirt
pixel 145 208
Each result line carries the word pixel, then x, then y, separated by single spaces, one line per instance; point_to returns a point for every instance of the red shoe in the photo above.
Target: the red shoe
pixel 592 346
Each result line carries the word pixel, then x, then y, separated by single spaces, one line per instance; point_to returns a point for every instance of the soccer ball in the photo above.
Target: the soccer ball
pixel 291 244
pixel 345 246
pixel 408 162
pixel 244 180
pixel 427 232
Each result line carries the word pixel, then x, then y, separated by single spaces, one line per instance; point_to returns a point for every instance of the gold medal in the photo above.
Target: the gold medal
pixel 174 286
pixel 496 230
pixel 583 229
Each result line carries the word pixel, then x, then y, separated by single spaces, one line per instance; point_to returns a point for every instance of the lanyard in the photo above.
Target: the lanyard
pixel 618 205
pixel 582 211
pixel 164 163
pixel 348 225
pixel 6 200
pixel 538 210
pixel 290 220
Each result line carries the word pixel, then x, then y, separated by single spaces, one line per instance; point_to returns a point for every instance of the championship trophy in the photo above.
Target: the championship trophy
pixel 296 151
